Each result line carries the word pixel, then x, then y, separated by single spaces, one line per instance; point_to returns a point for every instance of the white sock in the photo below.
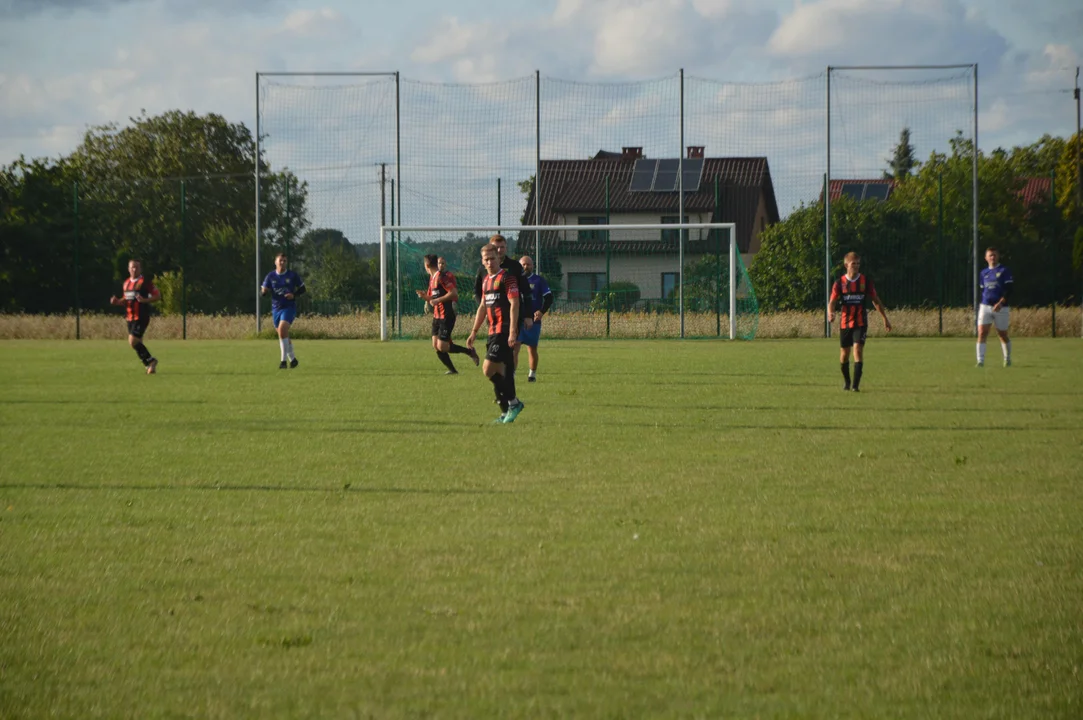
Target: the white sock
pixel 282 344
pixel 1006 348
pixel 289 349
pixel 981 352
pixel 531 373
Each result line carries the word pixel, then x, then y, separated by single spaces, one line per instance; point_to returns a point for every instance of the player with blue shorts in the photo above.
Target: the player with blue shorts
pixel 542 300
pixel 284 286
pixel 996 285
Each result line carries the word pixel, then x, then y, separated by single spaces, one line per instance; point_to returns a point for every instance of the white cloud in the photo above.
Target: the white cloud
pixel 313 23
pixel 886 32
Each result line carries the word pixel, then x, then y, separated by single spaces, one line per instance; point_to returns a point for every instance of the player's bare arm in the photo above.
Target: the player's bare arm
pixel 514 315
pixel 479 317
pixel 880 309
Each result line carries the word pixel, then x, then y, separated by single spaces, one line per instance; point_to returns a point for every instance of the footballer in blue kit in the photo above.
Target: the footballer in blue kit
pixel 284 286
pixel 542 300
pixel 996 286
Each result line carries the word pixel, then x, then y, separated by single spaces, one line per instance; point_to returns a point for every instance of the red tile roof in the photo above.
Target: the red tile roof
pixel 1035 190
pixel 835 186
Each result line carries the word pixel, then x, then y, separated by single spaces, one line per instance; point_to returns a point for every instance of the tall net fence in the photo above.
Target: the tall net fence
pixel 341 155
pixel 902 185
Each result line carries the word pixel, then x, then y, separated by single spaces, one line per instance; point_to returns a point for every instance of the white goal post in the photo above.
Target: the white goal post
pixel 616 229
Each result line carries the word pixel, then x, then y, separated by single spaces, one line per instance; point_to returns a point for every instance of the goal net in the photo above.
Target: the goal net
pixel 649 280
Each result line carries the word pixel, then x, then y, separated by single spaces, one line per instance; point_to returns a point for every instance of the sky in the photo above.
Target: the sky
pixel 68 65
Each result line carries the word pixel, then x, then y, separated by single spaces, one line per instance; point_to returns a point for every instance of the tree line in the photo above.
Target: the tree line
pixel 919 243
pixel 177 190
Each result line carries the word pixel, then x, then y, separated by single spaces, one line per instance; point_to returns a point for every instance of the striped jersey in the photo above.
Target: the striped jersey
pixel 852 294
pixel 497 292
pixel 441 283
pixel 135 311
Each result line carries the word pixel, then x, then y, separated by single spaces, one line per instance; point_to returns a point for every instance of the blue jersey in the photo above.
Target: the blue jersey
pixel 539 288
pixel 279 285
pixel 993 283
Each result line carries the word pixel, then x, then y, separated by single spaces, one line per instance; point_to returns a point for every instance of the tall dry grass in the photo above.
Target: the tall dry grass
pixel 906 322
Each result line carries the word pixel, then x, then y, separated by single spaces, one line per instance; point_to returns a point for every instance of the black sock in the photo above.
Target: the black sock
pixel 846 372
pixel 858 366
pixel 509 386
pixel 461 349
pixel 446 359
pixel 500 386
pixel 143 353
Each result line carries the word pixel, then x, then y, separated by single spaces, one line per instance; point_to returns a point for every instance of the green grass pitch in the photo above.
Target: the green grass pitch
pixel 670 529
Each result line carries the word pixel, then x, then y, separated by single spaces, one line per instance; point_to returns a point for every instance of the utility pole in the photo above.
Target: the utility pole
pixel 1078 142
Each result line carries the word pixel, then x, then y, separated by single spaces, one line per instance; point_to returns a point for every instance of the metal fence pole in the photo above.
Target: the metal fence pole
pixel 718 262
pixel 940 250
pixel 258 279
pixel 75 254
pixel 1054 244
pixel 827 215
pixel 608 289
pixel 184 260
pixel 680 200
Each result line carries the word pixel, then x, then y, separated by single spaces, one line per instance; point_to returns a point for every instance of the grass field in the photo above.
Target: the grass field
pixel 670 529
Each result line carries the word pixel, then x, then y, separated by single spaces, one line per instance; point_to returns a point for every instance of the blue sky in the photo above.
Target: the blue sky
pixel 66 65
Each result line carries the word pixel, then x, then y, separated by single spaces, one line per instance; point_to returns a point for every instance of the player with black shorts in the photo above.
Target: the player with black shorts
pixel 441 294
pixel 851 291
pixel 139 293
pixel 500 307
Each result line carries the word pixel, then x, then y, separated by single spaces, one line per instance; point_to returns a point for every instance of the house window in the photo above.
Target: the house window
pixel 583 286
pixel 589 235
pixel 669 284
pixel 670 236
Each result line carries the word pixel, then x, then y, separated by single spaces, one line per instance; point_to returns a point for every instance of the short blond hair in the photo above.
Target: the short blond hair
pixel 851 256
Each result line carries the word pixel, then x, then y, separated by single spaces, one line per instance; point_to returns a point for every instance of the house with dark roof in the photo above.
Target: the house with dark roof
pixel 626 188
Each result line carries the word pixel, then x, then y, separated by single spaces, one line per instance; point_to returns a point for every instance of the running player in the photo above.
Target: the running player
pixel 139 294
pixel 852 290
pixel 500 306
pixel 284 286
pixel 996 286
pixel 441 294
pixel 542 300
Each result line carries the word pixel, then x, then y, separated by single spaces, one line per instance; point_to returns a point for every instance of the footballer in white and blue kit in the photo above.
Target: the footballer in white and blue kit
pixel 542 300
pixel 996 286
pixel 284 286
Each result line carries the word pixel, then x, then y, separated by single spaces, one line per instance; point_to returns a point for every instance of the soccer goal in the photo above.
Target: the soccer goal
pixel 648 280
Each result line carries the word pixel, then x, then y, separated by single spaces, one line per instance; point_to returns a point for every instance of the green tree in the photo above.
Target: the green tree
pixel 903 161
pixel 131 182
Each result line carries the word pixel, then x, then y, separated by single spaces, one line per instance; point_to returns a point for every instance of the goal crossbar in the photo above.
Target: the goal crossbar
pixel 400 229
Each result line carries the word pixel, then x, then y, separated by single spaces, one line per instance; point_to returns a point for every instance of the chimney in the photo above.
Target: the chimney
pixel 695 151
pixel 631 153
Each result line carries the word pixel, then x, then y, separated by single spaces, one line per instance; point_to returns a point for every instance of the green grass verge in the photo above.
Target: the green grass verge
pixel 671 529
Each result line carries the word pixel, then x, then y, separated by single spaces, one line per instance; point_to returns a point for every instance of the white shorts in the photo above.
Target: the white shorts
pixel 988 316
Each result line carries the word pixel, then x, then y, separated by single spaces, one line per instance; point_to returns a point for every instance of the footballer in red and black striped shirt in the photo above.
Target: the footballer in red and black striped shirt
pixel 442 292
pixel 851 292
pixel 139 293
pixel 500 307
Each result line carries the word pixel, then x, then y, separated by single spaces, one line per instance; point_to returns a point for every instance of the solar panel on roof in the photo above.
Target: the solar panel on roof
pixel 692 172
pixel 853 190
pixel 877 191
pixel 665 180
pixel 643 175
